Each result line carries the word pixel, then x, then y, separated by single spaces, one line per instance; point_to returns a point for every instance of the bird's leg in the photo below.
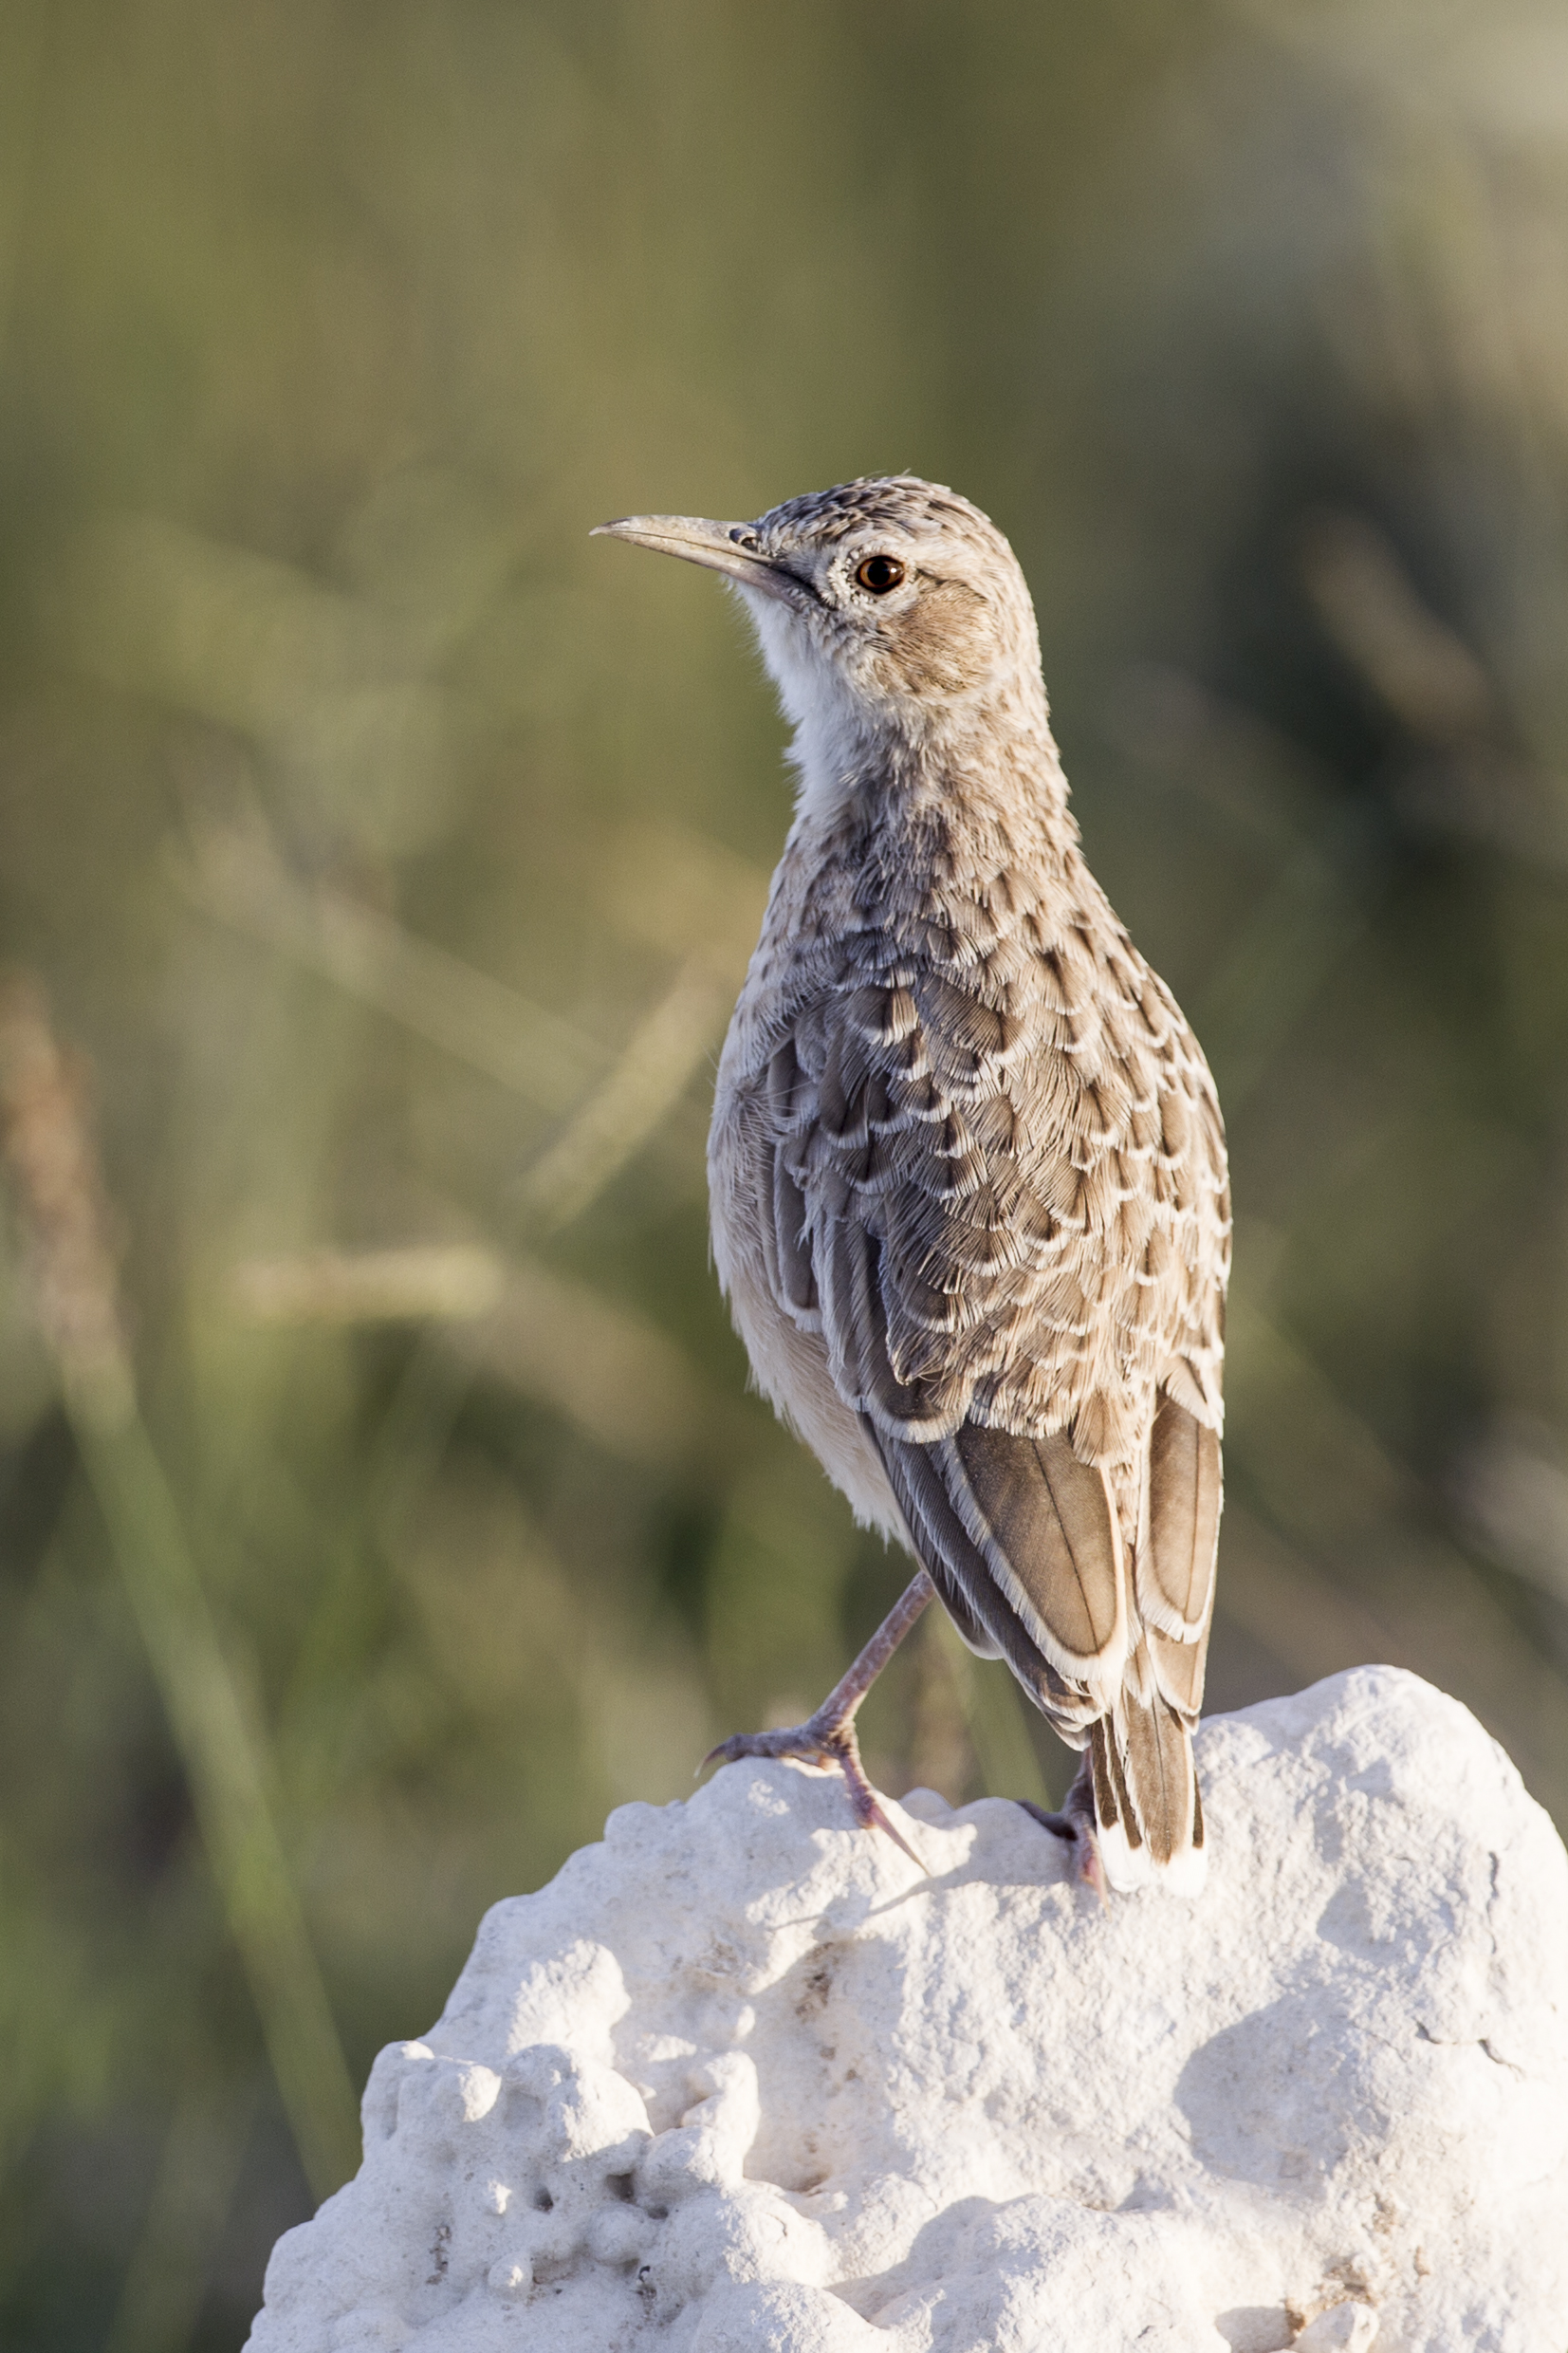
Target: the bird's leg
pixel 828 1737
pixel 1075 1823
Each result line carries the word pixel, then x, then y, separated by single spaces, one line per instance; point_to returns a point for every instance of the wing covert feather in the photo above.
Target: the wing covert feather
pixel 959 1570
pixel 1175 1571
pixel 1050 1519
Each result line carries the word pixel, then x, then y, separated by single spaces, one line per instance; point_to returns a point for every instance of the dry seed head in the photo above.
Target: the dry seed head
pixel 50 1149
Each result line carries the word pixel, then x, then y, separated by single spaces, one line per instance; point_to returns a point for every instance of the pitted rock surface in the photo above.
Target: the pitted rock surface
pixel 741 2078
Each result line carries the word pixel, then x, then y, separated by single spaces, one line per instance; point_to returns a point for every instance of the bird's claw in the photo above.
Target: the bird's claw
pixel 825 1746
pixel 870 1814
pixel 794 1742
pixel 1078 1833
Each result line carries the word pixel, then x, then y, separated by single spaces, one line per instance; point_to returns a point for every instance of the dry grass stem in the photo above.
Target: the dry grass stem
pixel 238 878
pixel 1370 606
pixel 421 1282
pixel 619 1379
pixel 658 1062
pixel 60 1196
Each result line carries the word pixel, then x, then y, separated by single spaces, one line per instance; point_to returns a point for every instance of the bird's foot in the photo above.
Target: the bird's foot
pixel 826 1740
pixel 1078 1831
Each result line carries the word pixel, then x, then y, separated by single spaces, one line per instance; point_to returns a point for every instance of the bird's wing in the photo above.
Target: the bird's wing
pixel 1000 1198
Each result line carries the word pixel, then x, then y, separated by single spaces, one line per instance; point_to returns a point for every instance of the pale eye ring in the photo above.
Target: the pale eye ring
pixel 878 574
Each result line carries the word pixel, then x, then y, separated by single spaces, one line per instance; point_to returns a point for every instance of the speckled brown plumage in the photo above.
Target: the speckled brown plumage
pixel 966 1165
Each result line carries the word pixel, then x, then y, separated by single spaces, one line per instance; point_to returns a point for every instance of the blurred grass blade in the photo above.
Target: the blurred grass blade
pixel 1366 600
pixel 192 2193
pixel 1349 1572
pixel 60 1198
pixel 221 1751
pixel 238 878
pixel 1278 961
pixel 653 1072
pixel 1514 1489
pixel 22 49
pixel 330 686
pixel 672 888
pixel 614 1375
pixel 421 1282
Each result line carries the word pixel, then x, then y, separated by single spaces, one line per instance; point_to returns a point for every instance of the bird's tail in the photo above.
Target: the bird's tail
pixel 1147 1809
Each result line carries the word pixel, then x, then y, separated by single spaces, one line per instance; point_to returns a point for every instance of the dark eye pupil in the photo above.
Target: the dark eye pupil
pixel 879 574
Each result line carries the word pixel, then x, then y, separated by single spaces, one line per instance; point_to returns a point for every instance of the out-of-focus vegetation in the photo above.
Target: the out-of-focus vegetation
pixel 393 854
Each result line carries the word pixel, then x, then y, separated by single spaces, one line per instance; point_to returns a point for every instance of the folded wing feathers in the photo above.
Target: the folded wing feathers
pixel 948 1552
pixel 1005 1207
pixel 1046 1528
pixel 1176 1569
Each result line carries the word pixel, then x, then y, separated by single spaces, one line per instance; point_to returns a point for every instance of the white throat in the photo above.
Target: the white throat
pixel 836 734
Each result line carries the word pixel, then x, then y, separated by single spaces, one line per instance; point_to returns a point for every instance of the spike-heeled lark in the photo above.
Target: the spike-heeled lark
pixel 966 1167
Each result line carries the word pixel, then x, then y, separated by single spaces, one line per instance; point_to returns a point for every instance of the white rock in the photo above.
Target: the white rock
pixel 741 2078
pixel 1348 2328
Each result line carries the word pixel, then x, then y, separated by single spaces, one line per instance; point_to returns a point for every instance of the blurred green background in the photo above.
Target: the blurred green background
pixel 358 816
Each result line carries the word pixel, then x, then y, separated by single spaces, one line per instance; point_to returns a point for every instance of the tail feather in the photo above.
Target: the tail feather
pixel 1147 1808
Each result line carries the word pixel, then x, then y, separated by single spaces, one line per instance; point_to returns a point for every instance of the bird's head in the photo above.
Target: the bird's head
pixel 887 609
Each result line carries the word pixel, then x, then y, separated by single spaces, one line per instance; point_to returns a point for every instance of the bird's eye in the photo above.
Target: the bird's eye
pixel 879 574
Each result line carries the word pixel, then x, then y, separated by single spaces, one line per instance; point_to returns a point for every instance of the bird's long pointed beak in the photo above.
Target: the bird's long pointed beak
pixel 721 547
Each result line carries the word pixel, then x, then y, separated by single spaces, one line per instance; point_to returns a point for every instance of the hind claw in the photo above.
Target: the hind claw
pixel 1078 1833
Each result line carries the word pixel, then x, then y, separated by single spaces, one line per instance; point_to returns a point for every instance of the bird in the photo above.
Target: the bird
pixel 967 1178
